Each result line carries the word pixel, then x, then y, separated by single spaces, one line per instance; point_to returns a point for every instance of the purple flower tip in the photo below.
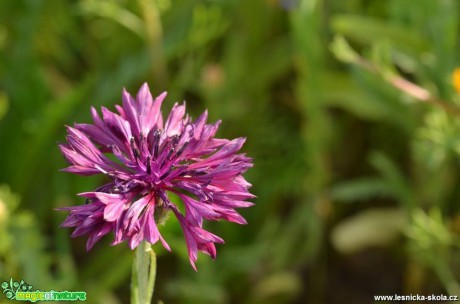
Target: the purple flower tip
pixel 154 158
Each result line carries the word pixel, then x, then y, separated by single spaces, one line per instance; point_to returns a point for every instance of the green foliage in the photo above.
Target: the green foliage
pixel 350 114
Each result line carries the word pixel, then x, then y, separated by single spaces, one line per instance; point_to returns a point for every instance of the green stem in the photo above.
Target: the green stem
pixel 143 274
pixel 446 276
pixel 154 38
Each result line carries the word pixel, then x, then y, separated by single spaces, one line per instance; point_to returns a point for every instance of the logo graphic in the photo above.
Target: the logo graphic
pixel 13 287
pixel 21 291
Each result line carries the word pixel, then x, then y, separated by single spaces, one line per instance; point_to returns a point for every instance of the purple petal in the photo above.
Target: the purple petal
pixel 113 210
pixel 105 198
pixel 119 127
pixel 148 110
pixel 132 215
pixel 174 124
pixel 106 228
pixel 130 111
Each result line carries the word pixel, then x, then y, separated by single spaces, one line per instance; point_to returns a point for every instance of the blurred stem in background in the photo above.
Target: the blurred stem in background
pixel 154 38
pixel 343 51
pixel 309 55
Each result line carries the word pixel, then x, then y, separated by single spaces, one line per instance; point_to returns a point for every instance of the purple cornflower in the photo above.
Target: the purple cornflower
pixel 154 158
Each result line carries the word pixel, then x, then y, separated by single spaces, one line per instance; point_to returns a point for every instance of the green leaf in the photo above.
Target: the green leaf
pixel 394 178
pixel 370 30
pixel 360 189
pixel 283 284
pixel 345 93
pixel 375 227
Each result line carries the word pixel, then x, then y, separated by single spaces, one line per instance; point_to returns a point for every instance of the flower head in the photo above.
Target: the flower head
pixel 153 159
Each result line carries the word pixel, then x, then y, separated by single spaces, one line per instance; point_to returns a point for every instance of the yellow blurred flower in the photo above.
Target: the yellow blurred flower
pixel 456 79
pixel 3 212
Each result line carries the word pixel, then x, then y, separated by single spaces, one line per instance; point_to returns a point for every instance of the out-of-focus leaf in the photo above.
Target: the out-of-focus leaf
pixel 393 177
pixel 193 292
pixel 53 118
pixel 369 30
pixel 114 12
pixel 342 50
pixel 375 227
pixel 360 189
pixel 3 36
pixel 428 230
pixel 3 104
pixel 208 24
pixel 344 93
pixel 283 285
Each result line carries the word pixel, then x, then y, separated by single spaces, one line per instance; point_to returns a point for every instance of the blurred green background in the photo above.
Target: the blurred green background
pixel 351 117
